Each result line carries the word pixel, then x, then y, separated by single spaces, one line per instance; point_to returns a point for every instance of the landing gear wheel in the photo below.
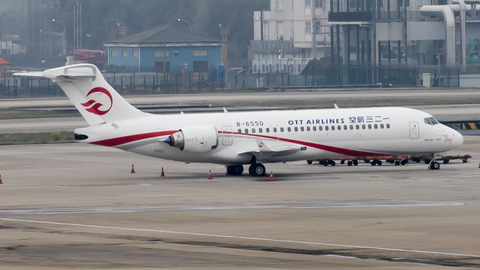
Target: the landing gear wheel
pixel 379 162
pixel 349 163
pixel 446 161
pixel 309 162
pixel 397 163
pixel 342 162
pixel 256 169
pixel 434 165
pixel 403 162
pixel 332 162
pixel 235 170
pixel 355 162
pixel 373 163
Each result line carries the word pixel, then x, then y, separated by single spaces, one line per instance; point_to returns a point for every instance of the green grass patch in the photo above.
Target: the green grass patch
pixel 36 138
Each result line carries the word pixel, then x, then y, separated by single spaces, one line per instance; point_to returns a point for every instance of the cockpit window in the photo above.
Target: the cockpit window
pixel 431 121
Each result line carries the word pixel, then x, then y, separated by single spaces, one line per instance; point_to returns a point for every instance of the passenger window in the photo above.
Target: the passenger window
pixel 314 128
pixel 239 131
pixel 333 127
pixel 296 129
pixel 289 129
pixel 363 126
pixel 308 128
pixel 302 129
pixel 345 127
pixel 339 127
pixel 326 128
pixel 275 130
pixel 253 130
pixel 260 130
pixel 388 125
pixel 382 126
pixel 267 130
pixel 369 126
pixel 375 126
pixel 282 129
pixel 320 128
pixel 351 127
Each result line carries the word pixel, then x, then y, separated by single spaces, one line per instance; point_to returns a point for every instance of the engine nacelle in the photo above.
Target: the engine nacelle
pixel 199 139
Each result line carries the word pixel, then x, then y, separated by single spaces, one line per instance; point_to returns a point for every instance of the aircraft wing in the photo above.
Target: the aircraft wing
pixel 266 148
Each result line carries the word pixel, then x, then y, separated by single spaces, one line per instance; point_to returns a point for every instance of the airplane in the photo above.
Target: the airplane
pixel 255 138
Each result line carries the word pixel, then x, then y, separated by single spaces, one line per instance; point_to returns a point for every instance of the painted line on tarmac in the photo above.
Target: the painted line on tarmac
pixel 240 237
pixel 240 207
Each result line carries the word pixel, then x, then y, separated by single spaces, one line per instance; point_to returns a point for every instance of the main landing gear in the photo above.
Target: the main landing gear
pixel 235 170
pixel 256 169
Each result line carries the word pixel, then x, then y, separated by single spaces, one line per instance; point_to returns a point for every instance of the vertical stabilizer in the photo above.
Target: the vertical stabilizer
pixel 93 97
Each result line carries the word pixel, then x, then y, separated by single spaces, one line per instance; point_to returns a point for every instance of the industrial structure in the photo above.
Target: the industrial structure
pixel 165 50
pixel 370 41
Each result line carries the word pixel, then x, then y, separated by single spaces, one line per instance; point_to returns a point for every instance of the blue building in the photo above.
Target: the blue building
pixel 165 48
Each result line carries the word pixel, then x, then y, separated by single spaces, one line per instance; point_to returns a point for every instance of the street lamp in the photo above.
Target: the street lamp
pixel 64 38
pixel 182 20
pixel 119 23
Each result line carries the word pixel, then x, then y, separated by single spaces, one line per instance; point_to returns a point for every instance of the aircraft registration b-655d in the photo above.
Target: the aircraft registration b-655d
pixel 235 139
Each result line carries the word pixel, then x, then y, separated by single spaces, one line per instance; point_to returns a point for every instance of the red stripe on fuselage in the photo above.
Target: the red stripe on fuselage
pixel 342 151
pixel 132 138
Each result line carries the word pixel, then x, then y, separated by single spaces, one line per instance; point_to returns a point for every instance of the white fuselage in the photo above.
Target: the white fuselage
pixel 317 134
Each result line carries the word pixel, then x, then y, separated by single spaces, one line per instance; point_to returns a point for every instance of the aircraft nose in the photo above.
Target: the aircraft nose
pixel 457 138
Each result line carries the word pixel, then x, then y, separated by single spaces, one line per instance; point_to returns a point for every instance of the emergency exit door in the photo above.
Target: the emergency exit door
pixel 227 135
pixel 414 132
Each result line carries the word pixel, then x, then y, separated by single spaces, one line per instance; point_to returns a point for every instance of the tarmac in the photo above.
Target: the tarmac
pixel 78 206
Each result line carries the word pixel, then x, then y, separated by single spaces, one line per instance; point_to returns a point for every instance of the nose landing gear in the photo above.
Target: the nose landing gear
pixel 434 165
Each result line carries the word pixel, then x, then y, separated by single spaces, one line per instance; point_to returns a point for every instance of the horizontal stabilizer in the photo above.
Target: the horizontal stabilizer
pixel 74 72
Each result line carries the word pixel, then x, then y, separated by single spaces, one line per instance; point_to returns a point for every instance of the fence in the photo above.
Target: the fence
pixel 158 83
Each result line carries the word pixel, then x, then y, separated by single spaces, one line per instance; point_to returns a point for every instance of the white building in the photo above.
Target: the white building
pixel 301 22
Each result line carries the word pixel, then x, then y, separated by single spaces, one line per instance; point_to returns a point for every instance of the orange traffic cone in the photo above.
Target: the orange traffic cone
pixel 133 169
pixel 271 176
pixel 163 173
pixel 210 174
pixel 1 179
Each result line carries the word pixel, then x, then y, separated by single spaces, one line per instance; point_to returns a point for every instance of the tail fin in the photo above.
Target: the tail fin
pixel 93 97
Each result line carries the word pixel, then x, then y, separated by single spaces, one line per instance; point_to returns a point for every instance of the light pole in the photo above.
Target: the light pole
pixel 182 20
pixel 123 30
pixel 64 38
pixel 119 23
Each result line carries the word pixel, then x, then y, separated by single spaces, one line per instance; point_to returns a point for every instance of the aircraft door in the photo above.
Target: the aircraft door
pixel 414 130
pixel 227 135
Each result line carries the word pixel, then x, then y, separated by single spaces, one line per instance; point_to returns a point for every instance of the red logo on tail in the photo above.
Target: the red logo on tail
pixel 93 106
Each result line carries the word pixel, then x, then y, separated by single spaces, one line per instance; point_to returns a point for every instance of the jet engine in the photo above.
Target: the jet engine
pixel 199 139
